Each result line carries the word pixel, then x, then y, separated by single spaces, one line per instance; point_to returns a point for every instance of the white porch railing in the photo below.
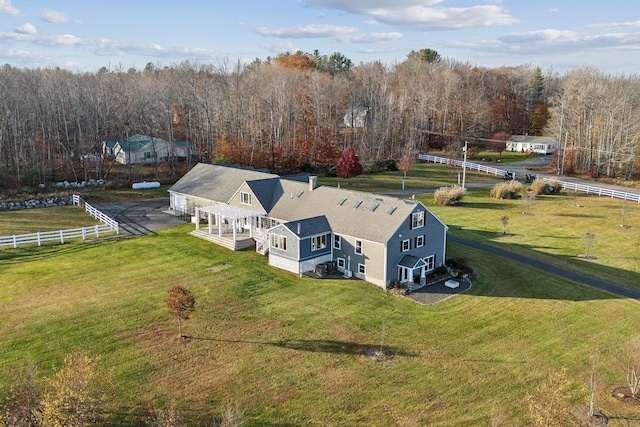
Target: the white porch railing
pixel 600 191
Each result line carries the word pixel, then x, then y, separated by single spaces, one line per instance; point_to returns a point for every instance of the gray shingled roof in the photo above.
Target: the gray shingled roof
pixel 215 182
pixel 411 261
pixel 367 216
pixel 363 221
pixel 532 139
pixel 309 226
pixel 264 189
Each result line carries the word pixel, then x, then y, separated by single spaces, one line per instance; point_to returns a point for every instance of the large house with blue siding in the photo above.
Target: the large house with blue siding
pixel 299 225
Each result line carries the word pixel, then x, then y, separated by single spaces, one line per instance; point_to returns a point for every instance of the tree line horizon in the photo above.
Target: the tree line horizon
pixel 288 112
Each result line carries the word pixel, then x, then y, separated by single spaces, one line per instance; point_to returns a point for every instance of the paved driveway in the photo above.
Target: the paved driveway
pixel 140 217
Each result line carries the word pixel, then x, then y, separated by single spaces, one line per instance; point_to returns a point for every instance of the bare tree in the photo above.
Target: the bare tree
pixel 505 221
pixel 589 240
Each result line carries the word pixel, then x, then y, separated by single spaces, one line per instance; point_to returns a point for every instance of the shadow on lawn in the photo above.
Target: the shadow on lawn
pixel 319 346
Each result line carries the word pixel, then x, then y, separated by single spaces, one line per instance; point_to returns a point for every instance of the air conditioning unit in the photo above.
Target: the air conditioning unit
pixel 348 273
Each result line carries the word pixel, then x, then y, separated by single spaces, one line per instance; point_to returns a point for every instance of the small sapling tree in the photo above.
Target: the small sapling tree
pixel 589 240
pixel 505 221
pixel 404 166
pixel 180 303
pixel 527 201
pixel 349 164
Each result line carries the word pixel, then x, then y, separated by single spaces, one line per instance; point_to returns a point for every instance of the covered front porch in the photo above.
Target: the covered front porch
pixel 233 227
pixel 409 267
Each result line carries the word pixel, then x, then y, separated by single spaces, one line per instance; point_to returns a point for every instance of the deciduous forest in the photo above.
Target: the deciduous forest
pixel 299 110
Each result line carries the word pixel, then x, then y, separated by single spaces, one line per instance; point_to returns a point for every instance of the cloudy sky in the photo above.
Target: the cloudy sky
pixel 88 34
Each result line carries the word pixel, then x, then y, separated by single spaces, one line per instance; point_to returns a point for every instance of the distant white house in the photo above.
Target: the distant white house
pixel 532 144
pixel 356 117
pixel 141 149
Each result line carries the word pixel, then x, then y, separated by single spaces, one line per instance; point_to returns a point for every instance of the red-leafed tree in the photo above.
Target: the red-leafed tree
pixel 349 164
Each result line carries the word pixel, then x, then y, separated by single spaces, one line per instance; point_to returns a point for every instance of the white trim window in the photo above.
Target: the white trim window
pixel 430 262
pixel 337 242
pixel 278 242
pixel 318 242
pixel 245 198
pixel 341 263
pixel 417 220
pixel 420 241
pixel 362 269
pixel 357 248
pixel 405 245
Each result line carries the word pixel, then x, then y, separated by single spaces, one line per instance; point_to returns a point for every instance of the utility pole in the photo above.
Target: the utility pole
pixel 464 163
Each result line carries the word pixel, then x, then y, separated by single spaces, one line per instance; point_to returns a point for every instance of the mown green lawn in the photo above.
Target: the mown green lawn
pixel 421 176
pixel 554 230
pixel 44 219
pixel 292 351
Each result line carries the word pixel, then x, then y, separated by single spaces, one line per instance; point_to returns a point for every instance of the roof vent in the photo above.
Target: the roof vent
pixel 357 204
pixel 391 210
pixel 341 201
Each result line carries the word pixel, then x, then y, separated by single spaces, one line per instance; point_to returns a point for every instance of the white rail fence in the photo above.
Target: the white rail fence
pixel 470 165
pixel 600 191
pixel 108 225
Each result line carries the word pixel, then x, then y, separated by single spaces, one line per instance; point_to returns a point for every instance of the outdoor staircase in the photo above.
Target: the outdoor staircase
pixel 262 242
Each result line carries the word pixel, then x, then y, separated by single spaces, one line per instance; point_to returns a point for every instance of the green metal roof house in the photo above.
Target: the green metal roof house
pixel 380 239
pixel 141 149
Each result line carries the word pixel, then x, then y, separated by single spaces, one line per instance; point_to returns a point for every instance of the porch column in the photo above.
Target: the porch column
pixel 220 219
pixel 235 225
pixel 423 277
pixel 197 219
pixel 251 218
pixel 209 222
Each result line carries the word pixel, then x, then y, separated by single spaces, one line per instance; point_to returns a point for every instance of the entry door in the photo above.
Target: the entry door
pixel 404 274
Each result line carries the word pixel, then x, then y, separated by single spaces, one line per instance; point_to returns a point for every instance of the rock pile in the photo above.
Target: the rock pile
pixel 36 203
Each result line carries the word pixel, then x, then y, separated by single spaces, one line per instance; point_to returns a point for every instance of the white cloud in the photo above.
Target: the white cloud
pixel 366 7
pixel 551 42
pixel 306 31
pixel 554 10
pixel 418 15
pixel 7 9
pixel 23 57
pixel 370 37
pixel 56 17
pixel 425 18
pixel 278 48
pixel 26 28
pixel 615 25
pixel 58 40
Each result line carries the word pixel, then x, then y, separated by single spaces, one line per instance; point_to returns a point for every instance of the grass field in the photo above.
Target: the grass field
pixel 421 176
pixel 44 219
pixel 292 351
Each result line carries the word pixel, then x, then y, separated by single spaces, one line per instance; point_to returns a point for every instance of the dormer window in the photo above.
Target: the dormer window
pixel 417 220
pixel 245 198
